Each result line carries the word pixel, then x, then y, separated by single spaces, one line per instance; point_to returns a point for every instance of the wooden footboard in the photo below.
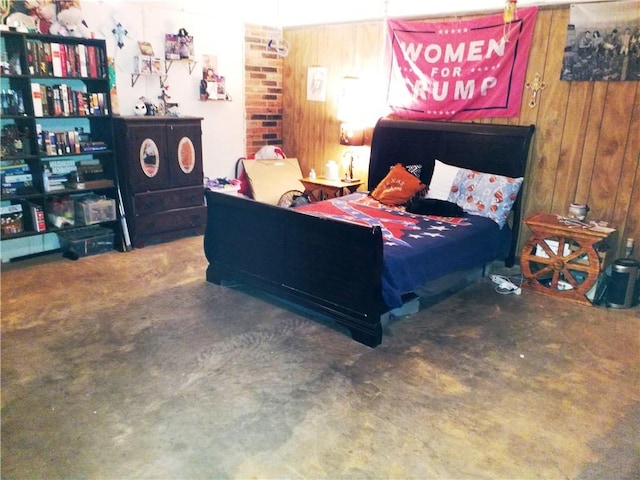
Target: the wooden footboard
pixel 326 265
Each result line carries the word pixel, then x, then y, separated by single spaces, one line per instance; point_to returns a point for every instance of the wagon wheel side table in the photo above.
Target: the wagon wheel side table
pixel 563 258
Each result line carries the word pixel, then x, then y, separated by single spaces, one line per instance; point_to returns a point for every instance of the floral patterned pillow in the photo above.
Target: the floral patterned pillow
pixel 485 194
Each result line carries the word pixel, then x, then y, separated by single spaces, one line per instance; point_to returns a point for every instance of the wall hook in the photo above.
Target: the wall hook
pixel 536 85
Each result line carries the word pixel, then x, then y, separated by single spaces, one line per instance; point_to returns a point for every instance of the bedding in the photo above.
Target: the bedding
pixel 417 249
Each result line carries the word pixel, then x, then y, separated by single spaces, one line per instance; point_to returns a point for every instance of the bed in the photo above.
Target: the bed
pixel 352 269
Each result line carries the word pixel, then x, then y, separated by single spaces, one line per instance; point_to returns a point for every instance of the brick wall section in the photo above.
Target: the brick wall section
pixel 263 89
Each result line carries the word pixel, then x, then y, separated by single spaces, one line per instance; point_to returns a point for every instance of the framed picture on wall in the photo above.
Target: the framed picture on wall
pixel 603 42
pixel 178 47
pixel 316 84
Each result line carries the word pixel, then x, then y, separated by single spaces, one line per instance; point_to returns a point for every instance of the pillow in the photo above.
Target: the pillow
pixel 442 181
pixel 433 206
pixel 397 187
pixel 414 169
pixel 486 194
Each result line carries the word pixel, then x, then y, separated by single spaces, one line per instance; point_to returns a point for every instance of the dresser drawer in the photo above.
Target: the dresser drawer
pixel 162 200
pixel 179 219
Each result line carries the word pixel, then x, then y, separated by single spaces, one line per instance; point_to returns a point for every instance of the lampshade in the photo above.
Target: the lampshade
pixel 351 135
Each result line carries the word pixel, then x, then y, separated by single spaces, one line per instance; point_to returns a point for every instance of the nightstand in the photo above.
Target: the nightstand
pixel 563 258
pixel 320 188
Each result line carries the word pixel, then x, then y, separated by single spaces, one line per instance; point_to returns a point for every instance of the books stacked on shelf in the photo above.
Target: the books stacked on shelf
pixel 89 174
pixel 53 59
pixel 16 176
pixel 59 143
pixel 96 146
pixel 61 100
pixel 11 219
pixel 67 142
pixel 55 174
pixel 11 102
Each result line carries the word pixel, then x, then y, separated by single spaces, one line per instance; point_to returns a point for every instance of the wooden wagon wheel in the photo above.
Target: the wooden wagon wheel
pixel 570 266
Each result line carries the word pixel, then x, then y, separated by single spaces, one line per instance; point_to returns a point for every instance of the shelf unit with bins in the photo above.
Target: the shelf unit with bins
pixel 57 132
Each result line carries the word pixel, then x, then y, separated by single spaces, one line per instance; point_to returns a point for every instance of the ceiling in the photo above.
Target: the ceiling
pixel 290 13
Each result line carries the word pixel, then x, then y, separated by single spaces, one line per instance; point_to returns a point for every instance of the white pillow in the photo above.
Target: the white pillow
pixel 442 180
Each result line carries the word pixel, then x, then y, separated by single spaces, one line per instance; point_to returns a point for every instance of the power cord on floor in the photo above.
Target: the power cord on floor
pixel 505 286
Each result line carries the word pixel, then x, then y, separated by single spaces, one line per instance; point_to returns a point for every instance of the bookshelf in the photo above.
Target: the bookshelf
pixel 57 134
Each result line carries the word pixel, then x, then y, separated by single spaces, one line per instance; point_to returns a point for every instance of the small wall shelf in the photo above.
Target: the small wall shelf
pixel 136 76
pixel 191 63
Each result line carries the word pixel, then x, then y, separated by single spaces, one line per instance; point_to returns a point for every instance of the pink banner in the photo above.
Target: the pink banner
pixel 459 70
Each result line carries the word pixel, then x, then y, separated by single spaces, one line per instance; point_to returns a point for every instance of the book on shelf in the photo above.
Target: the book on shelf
pixel 93 61
pixel 44 98
pixel 44 59
pixel 31 56
pixel 96 146
pixel 36 216
pixel 64 98
pixel 82 54
pixel 56 59
pixel 13 166
pixel 16 177
pixel 36 97
pixel 91 184
pixel 63 59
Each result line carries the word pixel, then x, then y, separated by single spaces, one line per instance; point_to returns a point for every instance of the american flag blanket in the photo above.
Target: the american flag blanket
pixel 418 248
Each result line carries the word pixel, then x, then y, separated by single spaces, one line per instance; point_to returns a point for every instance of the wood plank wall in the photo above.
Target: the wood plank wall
pixel 586 146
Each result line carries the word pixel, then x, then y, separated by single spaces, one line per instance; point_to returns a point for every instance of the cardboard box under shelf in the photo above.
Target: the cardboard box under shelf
pixel 86 241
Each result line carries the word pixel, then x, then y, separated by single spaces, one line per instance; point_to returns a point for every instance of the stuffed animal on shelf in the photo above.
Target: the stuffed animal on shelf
pixel 70 23
pixel 43 12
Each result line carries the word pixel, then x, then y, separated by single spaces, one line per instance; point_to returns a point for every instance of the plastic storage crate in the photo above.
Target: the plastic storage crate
pixel 83 242
pixel 90 209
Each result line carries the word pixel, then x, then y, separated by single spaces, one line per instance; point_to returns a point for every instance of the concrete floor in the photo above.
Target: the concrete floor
pixel 131 366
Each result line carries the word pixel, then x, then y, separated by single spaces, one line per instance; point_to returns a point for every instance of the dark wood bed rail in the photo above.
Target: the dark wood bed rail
pixel 330 266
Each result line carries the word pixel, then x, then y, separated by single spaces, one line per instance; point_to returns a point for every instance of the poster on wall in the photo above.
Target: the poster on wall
pixel 603 42
pixel 460 69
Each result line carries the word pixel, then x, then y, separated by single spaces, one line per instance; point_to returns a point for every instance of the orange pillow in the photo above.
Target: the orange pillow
pixel 397 187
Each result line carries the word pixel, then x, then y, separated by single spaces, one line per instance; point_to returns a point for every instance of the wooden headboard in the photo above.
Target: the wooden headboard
pixel 500 149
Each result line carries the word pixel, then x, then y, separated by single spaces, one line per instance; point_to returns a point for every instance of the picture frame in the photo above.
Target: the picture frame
pixel 317 84
pixel 146 48
pixel 179 47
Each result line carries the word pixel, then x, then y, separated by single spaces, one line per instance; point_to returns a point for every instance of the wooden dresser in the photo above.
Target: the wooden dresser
pixel 160 168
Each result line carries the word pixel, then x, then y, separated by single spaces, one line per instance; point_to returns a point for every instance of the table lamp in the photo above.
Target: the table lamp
pixel 354 137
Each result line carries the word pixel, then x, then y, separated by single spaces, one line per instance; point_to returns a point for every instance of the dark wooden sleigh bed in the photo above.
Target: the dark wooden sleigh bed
pixel 335 267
